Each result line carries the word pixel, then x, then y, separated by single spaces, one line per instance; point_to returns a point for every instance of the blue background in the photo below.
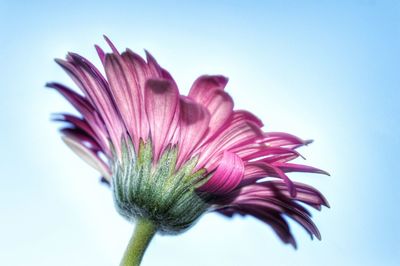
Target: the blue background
pixel 327 70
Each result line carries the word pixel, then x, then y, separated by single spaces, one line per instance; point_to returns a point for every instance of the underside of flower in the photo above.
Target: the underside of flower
pixel 169 158
pixel 157 192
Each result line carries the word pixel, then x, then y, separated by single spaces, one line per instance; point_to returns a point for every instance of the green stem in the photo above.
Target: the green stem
pixel 141 238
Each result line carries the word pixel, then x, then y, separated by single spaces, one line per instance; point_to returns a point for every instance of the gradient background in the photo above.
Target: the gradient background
pixel 327 70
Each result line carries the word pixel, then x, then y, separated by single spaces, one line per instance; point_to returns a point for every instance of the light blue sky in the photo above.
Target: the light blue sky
pixel 327 70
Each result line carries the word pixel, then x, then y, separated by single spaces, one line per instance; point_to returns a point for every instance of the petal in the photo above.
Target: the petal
pixel 112 46
pixel 79 102
pixel 161 101
pixel 76 122
pixel 88 156
pixel 208 91
pixel 87 111
pixel 82 138
pixel 128 97
pixel 154 67
pixel 278 189
pixel 239 132
pixel 245 115
pixel 227 176
pixel 101 54
pixel 95 87
pixel 138 67
pixel 292 167
pixel 284 140
pixel 278 224
pixel 258 170
pixel 272 198
pixel 220 108
pixel 207 83
pixel 270 153
pixel 193 124
pixel 254 171
pixel 271 218
pixel 285 207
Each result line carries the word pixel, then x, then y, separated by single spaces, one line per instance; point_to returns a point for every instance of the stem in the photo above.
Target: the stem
pixel 140 239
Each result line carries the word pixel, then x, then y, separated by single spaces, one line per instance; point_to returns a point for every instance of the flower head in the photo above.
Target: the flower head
pixel 169 158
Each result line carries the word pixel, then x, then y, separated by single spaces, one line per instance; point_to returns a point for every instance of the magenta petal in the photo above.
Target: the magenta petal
pixel 127 97
pixel 161 102
pixel 285 179
pixel 227 176
pixel 208 91
pixel 101 54
pixel 79 102
pixel 206 83
pixel 247 116
pixel 95 87
pixel 306 194
pixel 273 219
pixel 292 167
pixel 82 138
pixel 112 46
pixel 272 198
pixel 284 140
pixel 154 67
pixel 290 209
pixel 271 152
pixel 138 67
pixel 88 156
pixel 239 132
pixel 88 112
pixel 194 120
pixel 258 170
pixel 76 122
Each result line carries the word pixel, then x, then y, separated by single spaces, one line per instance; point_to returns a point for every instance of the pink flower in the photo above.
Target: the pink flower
pixel 169 158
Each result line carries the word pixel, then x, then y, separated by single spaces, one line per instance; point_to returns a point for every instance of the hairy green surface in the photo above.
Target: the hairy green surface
pixel 157 192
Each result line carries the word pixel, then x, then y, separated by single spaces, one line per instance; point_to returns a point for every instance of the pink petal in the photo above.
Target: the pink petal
pixel 76 122
pixel 208 91
pixel 286 207
pixel 239 132
pixel 273 219
pixel 258 170
pixel 291 167
pixel 101 54
pixel 194 120
pixel 207 83
pixel 154 67
pixel 284 140
pixel 271 152
pixel 271 198
pixel 80 103
pixel 89 157
pixel 227 176
pixel 127 97
pixel 88 112
pixel 82 138
pixel 161 101
pixel 95 87
pixel 245 115
pixel 280 158
pixel 112 46
pixel 271 189
pixel 138 67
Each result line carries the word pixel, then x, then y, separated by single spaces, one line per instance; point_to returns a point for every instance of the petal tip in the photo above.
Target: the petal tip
pixel 112 46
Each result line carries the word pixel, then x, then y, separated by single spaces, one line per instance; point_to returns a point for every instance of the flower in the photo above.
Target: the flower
pixel 169 158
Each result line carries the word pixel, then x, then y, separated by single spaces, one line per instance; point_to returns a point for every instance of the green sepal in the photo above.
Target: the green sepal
pixel 157 192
